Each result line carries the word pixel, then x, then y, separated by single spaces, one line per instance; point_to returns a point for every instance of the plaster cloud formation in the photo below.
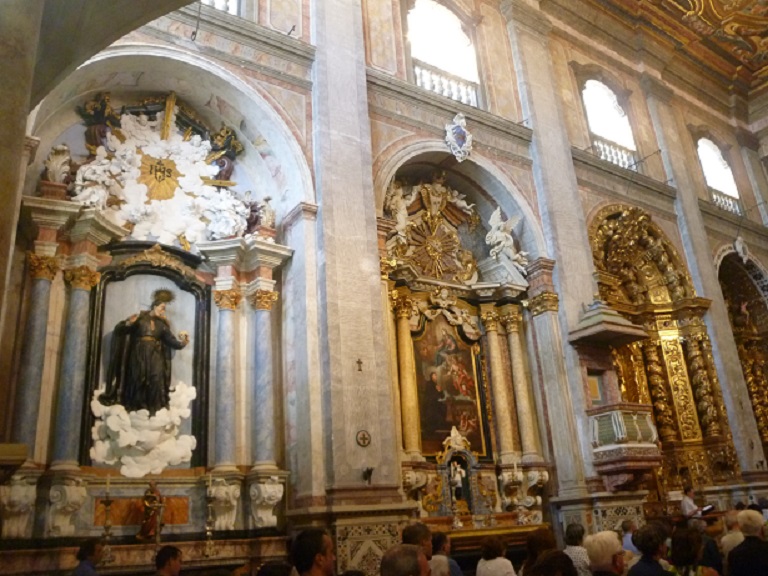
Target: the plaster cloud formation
pixel 199 211
pixel 140 443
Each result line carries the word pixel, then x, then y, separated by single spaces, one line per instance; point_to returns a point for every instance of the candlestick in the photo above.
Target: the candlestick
pixel 107 486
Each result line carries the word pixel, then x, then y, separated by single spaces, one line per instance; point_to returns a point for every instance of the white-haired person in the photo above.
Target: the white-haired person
pixel 750 558
pixel 732 538
pixel 606 553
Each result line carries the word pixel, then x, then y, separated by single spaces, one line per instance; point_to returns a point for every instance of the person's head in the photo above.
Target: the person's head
pixel 168 561
pixel 740 506
pixel 552 563
pixel 731 520
pixel 605 552
pixel 405 560
pixel 433 376
pixel 90 550
pixel 160 299
pixel 420 535
pixel 650 539
pixel 492 547
pixel 751 522
pixel 755 508
pixel 574 534
pixel 538 542
pixel 688 490
pixel 441 543
pixel 628 526
pixel 312 551
pixel 686 547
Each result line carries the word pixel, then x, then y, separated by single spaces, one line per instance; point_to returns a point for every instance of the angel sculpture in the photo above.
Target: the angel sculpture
pixel 396 204
pixel 502 243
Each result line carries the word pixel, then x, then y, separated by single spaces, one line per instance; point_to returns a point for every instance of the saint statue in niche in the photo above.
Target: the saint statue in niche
pixel 139 370
pixel 153 504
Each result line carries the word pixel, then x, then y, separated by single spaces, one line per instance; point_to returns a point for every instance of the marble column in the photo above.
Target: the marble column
pixel 678 155
pixel 409 392
pixel 550 360
pixel 262 384
pixel 502 401
pixel 43 270
pixel 525 413
pixel 227 302
pixel 69 407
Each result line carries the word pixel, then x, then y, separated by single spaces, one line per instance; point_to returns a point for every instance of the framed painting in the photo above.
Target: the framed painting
pixel 450 389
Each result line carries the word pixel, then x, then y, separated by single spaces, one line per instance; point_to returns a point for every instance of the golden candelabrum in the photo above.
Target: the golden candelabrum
pixel 210 549
pixel 106 555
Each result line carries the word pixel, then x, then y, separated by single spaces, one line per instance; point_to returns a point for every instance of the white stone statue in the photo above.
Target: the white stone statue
pixel 17 506
pixel 94 181
pixel 265 496
pixel 57 165
pixel 456 441
pixel 226 498
pixel 502 243
pixel 396 205
pixel 741 248
pixel 67 496
pixel 267 215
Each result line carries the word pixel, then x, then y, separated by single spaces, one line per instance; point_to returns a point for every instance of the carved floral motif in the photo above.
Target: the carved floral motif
pixel 82 277
pixel 227 299
pixel 263 299
pixel 42 267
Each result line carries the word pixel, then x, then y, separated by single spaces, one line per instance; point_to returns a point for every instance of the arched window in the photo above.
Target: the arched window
pixel 231 6
pixel 609 127
pixel 717 173
pixel 442 53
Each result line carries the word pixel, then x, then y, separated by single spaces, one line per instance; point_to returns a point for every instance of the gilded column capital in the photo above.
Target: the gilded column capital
pixel 511 320
pixel 43 267
pixel 402 304
pixel 490 320
pixel 82 277
pixel 227 299
pixel 263 299
pixel 544 302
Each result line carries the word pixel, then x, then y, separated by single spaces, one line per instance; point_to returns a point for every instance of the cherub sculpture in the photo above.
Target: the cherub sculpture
pixel 502 243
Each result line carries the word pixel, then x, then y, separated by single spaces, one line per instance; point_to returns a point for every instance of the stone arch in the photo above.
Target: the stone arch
pixel 636 254
pixel 486 184
pixel 591 71
pixel 273 139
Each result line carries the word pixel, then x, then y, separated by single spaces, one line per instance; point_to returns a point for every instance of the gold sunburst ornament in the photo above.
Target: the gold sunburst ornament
pixel 160 176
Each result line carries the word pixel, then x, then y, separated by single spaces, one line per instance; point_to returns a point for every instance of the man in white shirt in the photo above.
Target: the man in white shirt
pixel 688 507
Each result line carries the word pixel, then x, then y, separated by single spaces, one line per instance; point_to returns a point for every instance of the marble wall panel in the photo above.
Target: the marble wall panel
pixel 384 36
pixel 497 71
pixel 282 15
pixel 130 511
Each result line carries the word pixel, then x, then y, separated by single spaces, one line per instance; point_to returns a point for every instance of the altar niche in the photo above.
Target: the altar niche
pixel 451 390
pixel 139 270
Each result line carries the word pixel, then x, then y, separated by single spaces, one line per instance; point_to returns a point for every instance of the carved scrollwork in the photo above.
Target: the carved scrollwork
pixel 702 390
pixel 263 299
pixel 544 302
pixel 265 495
pixel 66 498
pixel 226 500
pixel 159 258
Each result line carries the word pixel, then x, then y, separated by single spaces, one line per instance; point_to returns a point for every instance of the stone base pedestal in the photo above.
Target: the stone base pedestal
pixel 597 512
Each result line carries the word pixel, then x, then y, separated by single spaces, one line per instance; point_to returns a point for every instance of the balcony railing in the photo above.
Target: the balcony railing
pixel 230 6
pixel 440 82
pixel 725 202
pixel 614 153
pixel 619 424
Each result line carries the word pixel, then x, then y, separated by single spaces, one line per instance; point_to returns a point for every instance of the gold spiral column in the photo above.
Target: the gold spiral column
pixel 502 401
pixel 402 304
pixel 523 401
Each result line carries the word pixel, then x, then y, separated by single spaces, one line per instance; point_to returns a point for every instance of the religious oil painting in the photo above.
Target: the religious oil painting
pixel 449 391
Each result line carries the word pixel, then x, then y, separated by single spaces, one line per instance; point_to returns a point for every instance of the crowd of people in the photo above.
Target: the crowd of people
pixel 652 550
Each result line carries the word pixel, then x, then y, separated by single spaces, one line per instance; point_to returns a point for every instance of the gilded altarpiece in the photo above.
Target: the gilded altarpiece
pixel 444 295
pixel 641 276
pixel 748 316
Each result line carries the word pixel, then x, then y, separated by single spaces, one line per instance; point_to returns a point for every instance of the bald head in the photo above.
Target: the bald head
pixel 405 560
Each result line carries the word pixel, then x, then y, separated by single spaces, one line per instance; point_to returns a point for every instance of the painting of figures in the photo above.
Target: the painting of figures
pixel 448 387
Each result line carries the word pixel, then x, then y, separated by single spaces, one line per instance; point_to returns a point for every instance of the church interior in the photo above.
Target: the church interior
pixel 272 264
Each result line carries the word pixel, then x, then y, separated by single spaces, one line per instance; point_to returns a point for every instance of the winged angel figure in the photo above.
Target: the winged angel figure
pixel 502 243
